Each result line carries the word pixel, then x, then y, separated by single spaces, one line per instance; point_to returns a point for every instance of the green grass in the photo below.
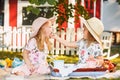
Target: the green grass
pixel 8 54
pixel 115 50
pixel 117 61
pixel 66 58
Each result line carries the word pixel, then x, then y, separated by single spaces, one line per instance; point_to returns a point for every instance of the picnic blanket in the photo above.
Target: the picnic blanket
pixel 79 73
pixel 111 75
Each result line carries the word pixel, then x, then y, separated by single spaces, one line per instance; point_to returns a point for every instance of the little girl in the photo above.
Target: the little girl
pixel 36 49
pixel 90 46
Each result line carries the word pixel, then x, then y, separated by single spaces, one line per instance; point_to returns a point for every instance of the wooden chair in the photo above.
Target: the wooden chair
pixel 107 42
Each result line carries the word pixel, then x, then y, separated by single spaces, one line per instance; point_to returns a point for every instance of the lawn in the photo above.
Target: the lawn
pixel 66 58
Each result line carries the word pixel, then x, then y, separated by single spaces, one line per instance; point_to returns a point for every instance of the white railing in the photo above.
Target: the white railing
pixel 15 39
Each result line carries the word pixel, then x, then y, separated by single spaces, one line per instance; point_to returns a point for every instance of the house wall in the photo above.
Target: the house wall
pixel 95 11
pixel 21 39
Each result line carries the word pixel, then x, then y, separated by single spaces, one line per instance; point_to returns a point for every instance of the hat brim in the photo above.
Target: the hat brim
pixel 93 33
pixel 36 31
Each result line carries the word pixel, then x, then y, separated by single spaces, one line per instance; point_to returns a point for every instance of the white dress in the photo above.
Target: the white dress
pixel 85 53
pixel 37 58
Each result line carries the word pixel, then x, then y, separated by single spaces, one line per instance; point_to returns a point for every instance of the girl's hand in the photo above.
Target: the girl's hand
pixel 53 35
pixel 31 68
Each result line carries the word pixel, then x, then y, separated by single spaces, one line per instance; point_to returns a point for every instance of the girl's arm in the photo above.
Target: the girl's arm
pixel 25 57
pixel 27 61
pixel 64 42
pixel 100 60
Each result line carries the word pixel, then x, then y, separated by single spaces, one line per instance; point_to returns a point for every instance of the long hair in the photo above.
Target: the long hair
pixel 41 39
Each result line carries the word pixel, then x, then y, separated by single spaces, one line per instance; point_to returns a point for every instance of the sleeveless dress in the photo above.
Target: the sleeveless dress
pixel 37 58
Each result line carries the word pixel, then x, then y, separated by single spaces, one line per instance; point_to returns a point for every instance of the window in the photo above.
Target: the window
pixel 1 19
pixel 1 12
pixel 29 17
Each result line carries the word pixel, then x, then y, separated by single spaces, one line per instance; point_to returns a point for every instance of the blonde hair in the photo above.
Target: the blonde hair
pixel 40 39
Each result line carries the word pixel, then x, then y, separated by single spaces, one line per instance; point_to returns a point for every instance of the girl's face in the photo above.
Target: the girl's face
pixel 85 32
pixel 47 29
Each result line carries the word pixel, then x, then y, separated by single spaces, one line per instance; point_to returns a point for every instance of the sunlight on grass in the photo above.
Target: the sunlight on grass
pixel 117 61
pixel 67 58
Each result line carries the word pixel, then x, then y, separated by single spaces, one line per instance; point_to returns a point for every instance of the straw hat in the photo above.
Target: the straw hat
pixel 95 27
pixel 37 24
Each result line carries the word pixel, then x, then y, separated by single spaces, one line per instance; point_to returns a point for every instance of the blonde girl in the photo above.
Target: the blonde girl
pixel 37 48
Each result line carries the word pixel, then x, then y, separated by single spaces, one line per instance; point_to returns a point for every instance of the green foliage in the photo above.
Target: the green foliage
pixel 35 10
pixel 61 7
pixel 80 10
pixel 65 13
pixel 51 2
pixel 37 2
pixel 42 2
pixel 32 9
pixel 11 55
pixel 118 1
